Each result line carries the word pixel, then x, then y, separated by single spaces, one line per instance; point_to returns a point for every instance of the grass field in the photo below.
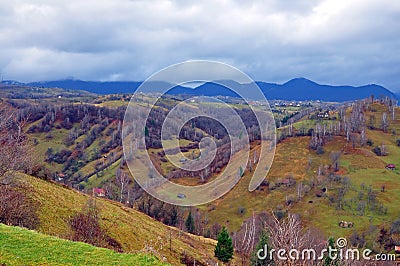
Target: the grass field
pixel 20 246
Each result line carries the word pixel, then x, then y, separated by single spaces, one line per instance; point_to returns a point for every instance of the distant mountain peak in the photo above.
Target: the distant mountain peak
pixel 302 81
pixel 295 89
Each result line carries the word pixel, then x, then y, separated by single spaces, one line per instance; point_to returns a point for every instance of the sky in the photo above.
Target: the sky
pixel 338 42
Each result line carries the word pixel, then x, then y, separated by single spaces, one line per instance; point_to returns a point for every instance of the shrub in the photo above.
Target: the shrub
pixel 279 214
pixel 380 150
pixel 370 142
pixel 377 150
pixel 272 185
pixel 16 208
pixel 186 259
pixel 320 150
pixel 86 228
pixel 395 227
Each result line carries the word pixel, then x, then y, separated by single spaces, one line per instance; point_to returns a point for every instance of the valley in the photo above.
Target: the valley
pixel 332 163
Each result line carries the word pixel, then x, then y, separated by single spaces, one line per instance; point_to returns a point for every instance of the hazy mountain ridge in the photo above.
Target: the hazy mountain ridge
pixel 295 89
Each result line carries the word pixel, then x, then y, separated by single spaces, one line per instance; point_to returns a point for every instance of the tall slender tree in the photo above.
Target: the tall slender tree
pixel 190 223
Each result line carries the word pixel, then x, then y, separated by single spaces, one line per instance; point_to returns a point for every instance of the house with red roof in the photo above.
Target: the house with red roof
pixel 99 192
pixel 390 166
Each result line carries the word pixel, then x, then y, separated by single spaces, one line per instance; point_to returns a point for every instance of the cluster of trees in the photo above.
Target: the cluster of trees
pixel 221 159
pixel 289 119
pixel 353 125
pixel 192 220
pixel 89 121
pixel 68 115
pixel 76 157
pixel 159 210
pixel 194 129
pixel 366 199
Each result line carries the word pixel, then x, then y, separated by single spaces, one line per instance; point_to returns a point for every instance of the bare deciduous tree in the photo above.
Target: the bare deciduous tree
pixel 122 180
pixel 16 208
pixel 385 122
pixel 289 234
pixel 244 240
pixel 335 156
pixel 15 148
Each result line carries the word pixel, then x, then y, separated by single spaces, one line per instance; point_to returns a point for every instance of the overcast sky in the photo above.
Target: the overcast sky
pixel 339 42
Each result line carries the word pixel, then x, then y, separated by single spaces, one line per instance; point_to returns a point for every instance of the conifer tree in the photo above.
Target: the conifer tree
pixel 328 261
pixel 263 243
pixel 224 249
pixel 190 223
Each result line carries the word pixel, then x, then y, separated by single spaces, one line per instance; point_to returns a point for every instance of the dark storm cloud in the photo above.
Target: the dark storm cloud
pixel 339 42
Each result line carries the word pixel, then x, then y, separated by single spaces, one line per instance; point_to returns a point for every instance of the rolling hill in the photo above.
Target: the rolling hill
pixel 135 231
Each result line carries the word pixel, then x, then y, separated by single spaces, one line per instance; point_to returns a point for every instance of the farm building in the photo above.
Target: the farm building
pixel 390 166
pixel 345 224
pixel 99 192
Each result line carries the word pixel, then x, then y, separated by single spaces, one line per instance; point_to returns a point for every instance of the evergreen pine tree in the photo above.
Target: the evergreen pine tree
pixel 190 223
pixel 224 249
pixel 328 261
pixel 262 243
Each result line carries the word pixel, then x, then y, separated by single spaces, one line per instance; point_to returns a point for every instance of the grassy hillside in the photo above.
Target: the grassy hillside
pixel 363 168
pixel 132 229
pixel 20 246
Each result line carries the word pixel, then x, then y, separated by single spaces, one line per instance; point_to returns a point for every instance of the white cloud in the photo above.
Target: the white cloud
pixel 335 41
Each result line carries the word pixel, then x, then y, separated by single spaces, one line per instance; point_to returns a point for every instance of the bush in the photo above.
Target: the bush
pixel 398 142
pixel 380 150
pixel 320 150
pixel 279 214
pixel 290 199
pixel 377 150
pixel 186 259
pixel 272 185
pixel 15 206
pixel 370 142
pixel 86 228
pixel 395 227
pixel 357 240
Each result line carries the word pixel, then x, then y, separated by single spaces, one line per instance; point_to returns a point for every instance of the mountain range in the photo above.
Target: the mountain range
pixel 296 89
